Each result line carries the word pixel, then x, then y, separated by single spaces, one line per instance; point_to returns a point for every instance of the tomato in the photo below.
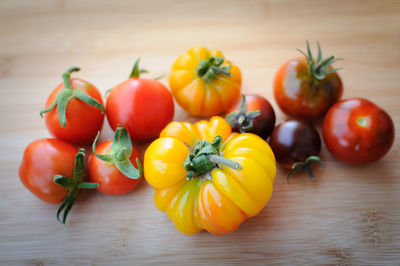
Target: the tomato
pixel 296 145
pixel 252 114
pixel 207 178
pixel 357 131
pixel 113 164
pixel 204 83
pixel 305 88
pixel 74 110
pixel 44 158
pixel 143 106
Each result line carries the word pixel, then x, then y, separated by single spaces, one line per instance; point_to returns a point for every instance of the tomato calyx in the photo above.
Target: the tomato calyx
pixel 73 185
pixel 209 70
pixel 242 119
pixel 319 68
pixel 306 165
pixel 121 151
pixel 66 95
pixel 204 157
pixel 136 71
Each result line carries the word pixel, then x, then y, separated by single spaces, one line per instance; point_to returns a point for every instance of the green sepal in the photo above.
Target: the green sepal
pixel 242 119
pixel 306 165
pixel 63 181
pixel 205 157
pixel 87 185
pixel 319 68
pixel 121 151
pixel 136 71
pixel 126 167
pixel 121 140
pixel 66 95
pixel 73 185
pixel 217 141
pixel 81 95
pixel 107 92
pixel 103 157
pixel 207 150
pixel 159 76
pixel 209 70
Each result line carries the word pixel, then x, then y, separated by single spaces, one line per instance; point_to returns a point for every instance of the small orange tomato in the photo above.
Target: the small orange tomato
pixel 115 165
pixel 42 160
pixel 74 110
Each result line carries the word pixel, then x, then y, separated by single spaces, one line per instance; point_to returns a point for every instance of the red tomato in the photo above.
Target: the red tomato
pixel 110 179
pixel 143 106
pixel 262 125
pixel 83 118
pixel 43 159
pixel 357 131
pixel 305 91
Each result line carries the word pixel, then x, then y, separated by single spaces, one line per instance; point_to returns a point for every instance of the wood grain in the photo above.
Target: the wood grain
pixel 349 215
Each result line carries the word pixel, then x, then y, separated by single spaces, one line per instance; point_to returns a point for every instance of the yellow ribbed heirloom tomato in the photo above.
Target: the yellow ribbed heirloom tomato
pixel 207 178
pixel 204 83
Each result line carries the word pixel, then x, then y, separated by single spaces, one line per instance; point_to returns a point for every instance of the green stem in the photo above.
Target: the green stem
pixel 209 70
pixel 306 165
pixel 67 76
pixel 136 71
pixel 221 160
pixel 122 154
pixel 66 95
pixel 73 185
pixel 121 151
pixel 242 119
pixel 205 157
pixel 320 67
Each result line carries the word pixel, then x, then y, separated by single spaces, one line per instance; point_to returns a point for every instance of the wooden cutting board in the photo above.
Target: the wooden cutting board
pixel 350 215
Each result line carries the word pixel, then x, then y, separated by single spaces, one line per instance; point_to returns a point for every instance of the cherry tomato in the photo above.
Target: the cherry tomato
pixel 42 160
pixel 113 165
pixel 296 146
pixel 74 110
pixel 143 106
pixel 243 115
pixel 305 88
pixel 357 131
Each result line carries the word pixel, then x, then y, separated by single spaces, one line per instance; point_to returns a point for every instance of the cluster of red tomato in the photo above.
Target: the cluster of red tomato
pixel 204 84
pixel 137 109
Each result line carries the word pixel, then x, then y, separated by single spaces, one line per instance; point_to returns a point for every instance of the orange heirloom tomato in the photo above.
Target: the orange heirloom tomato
pixel 204 83
pixel 207 178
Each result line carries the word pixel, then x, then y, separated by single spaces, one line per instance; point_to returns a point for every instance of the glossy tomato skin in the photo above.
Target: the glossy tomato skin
pixel 224 197
pixel 143 106
pixel 302 96
pixel 111 181
pixel 262 124
pixel 197 96
pixel 357 131
pixel 42 159
pixel 294 141
pixel 83 120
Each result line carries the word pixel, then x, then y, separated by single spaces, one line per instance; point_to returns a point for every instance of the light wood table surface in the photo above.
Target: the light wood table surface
pixel 350 215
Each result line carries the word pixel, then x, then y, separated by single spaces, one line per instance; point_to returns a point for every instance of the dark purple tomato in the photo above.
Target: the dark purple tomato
pixel 296 145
